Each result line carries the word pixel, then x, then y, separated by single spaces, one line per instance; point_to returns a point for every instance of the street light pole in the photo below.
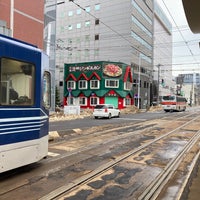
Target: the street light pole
pixel 158 82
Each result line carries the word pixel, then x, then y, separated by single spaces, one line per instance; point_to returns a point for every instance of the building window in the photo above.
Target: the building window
pixel 145 84
pixel 71 85
pixel 127 101
pixel 94 101
pixel 70 27
pixel 141 40
pixel 96 21
pixel 112 83
pixel 70 13
pixel 78 11
pixel 96 37
pixel 127 85
pixel 94 84
pixel 97 7
pixel 134 82
pixel 87 23
pixel 141 11
pixel 141 26
pixel 87 9
pixel 83 101
pixel 87 38
pixel 70 101
pixel 61 83
pixel 82 84
pixel 78 25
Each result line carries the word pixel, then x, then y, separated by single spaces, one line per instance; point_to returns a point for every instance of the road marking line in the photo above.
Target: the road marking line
pixel 132 119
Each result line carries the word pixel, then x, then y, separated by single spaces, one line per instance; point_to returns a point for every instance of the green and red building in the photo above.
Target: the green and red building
pixel 90 83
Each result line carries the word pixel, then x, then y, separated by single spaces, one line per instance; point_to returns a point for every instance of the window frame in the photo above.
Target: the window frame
pixel 127 101
pixel 74 85
pixel 80 102
pixel 97 7
pixel 82 83
pixel 87 9
pixel 69 99
pixel 128 85
pixel 98 84
pixel 111 86
pixel 91 101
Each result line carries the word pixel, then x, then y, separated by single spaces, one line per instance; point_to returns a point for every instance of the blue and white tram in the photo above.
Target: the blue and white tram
pixel 24 103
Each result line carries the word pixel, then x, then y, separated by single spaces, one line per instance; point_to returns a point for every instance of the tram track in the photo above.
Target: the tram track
pixel 157 185
pixel 152 190
pixel 119 135
pixel 134 130
pixel 105 130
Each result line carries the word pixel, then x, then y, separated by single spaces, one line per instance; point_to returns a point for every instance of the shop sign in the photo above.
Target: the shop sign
pixel 84 68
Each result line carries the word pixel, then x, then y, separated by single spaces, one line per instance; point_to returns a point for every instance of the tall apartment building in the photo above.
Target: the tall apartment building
pixel 102 30
pixel 163 53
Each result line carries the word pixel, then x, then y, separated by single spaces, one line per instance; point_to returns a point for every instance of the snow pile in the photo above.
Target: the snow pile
pixel 59 115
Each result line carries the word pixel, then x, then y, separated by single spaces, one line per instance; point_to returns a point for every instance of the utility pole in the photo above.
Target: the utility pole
pixel 139 66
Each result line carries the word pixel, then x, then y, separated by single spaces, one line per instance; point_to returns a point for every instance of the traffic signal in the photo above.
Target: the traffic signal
pixel 163 82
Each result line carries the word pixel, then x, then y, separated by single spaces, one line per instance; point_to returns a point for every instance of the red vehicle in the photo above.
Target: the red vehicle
pixel 173 103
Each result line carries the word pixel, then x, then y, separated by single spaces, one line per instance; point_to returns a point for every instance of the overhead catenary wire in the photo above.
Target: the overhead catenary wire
pixel 186 43
pixel 127 37
pixel 109 27
pixel 124 36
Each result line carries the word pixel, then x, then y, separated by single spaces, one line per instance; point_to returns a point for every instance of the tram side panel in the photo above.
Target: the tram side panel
pixel 23 110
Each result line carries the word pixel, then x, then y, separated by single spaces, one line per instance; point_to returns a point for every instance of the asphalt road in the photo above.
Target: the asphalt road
pixel 124 118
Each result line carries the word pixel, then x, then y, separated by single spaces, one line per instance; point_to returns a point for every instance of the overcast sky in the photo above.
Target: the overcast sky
pixel 185 43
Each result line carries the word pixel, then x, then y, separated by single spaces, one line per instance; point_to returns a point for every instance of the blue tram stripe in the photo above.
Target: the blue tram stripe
pixel 19 136
pixel 21 125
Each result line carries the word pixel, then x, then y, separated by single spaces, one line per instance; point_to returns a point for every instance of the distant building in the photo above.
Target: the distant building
pixel 162 53
pixel 188 85
pixel 90 83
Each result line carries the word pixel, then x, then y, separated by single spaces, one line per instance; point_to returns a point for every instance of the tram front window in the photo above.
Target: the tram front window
pixel 168 98
pixel 16 82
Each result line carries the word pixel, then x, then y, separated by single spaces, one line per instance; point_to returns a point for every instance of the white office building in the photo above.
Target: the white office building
pixel 103 30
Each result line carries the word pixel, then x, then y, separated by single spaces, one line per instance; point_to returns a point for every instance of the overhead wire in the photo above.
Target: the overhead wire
pixel 186 43
pixel 126 37
pixel 109 27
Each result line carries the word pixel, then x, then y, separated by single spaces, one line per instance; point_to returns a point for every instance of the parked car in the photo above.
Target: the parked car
pixel 105 110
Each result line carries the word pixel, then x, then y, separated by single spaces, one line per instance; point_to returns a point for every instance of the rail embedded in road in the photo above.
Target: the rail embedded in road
pixel 107 160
